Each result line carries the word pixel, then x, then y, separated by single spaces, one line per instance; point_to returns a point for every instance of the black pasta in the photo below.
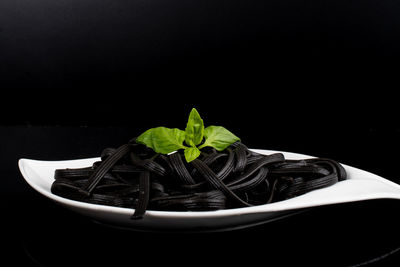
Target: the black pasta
pixel 134 176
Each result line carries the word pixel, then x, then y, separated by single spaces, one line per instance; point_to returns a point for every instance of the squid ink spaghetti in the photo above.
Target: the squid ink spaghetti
pixel 196 169
pixel 135 176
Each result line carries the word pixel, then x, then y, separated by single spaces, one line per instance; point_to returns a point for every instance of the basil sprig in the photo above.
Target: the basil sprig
pixel 166 140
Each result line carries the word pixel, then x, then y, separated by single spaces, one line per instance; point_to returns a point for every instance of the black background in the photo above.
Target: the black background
pixel 313 77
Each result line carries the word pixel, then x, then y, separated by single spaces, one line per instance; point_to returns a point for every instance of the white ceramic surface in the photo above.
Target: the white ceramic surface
pixel 360 185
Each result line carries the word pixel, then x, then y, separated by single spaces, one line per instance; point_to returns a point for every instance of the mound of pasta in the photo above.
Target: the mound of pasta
pixel 134 176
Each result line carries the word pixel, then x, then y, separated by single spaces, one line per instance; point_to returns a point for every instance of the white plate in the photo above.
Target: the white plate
pixel 360 185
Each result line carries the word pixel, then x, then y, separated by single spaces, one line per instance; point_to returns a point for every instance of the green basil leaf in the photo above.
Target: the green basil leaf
pixel 194 129
pixel 191 153
pixel 218 137
pixel 163 140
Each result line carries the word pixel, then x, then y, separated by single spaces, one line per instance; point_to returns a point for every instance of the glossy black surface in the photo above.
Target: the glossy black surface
pixel 36 231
